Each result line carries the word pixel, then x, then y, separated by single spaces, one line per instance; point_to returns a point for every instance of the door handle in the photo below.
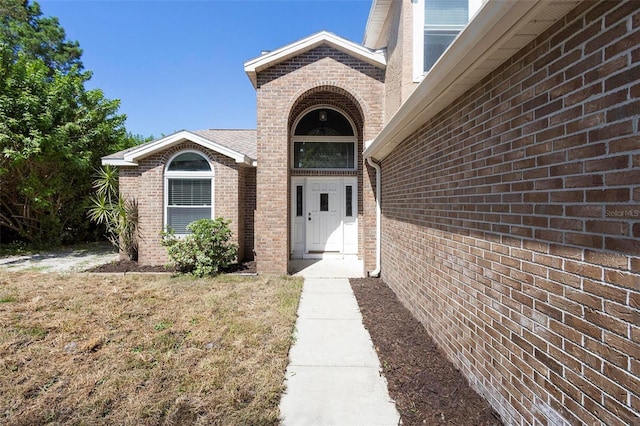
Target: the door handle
pixel 309 215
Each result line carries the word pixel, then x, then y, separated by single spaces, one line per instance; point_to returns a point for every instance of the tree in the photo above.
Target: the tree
pixel 24 29
pixel 53 131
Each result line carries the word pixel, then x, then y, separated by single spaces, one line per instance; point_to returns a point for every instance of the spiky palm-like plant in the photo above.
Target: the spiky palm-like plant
pixel 119 215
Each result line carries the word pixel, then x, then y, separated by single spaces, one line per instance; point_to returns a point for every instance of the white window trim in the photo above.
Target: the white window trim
pixel 418 34
pixel 294 139
pixel 169 175
pixel 326 139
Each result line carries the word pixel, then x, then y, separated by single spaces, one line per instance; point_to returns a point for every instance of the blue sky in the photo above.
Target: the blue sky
pixel 179 64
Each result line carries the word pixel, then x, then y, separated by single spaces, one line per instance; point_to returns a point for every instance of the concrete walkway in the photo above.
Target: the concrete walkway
pixel 333 377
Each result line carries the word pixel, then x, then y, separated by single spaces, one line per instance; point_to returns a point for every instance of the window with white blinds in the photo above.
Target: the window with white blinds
pixel 443 20
pixel 188 191
pixel 436 25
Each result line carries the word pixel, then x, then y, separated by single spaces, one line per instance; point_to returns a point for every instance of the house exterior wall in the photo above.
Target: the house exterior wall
pixel 511 225
pixel 399 82
pixel 145 183
pixel 248 190
pixel 279 90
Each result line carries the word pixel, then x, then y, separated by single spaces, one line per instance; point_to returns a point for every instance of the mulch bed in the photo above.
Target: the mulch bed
pixel 123 266
pixel 427 388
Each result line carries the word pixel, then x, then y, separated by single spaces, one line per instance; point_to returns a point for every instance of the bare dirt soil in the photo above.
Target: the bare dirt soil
pixel 248 267
pixel 75 258
pixel 427 388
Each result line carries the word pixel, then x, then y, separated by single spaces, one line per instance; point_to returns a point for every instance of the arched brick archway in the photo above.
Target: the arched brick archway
pixel 332 95
pixel 325 77
pixel 344 236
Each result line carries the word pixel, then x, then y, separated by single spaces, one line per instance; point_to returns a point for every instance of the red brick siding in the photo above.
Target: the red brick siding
pixel 146 184
pixel 511 225
pixel 322 75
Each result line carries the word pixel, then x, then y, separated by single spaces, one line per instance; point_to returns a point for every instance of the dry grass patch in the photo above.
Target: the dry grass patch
pixel 86 349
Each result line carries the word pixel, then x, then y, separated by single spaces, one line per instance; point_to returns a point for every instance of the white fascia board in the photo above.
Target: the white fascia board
pixel 116 162
pixel 497 22
pixel 371 22
pixel 373 57
pixel 377 16
pixel 132 157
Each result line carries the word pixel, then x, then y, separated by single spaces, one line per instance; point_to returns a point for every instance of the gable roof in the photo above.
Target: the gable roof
pixel 239 145
pixel 242 141
pixel 373 57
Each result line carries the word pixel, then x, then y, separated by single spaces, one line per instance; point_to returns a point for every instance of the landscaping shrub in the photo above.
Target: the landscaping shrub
pixel 119 215
pixel 203 252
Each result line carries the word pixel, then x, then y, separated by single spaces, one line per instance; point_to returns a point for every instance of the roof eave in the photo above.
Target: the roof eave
pixel 132 157
pixel 245 161
pixel 498 29
pixel 373 57
pixel 375 22
pixel 117 162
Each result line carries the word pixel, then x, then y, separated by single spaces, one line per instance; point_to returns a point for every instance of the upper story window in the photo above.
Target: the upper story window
pixel 324 139
pixel 437 23
pixel 188 190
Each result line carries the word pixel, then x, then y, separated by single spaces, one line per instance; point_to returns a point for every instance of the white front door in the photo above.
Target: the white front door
pixel 324 216
pixel 324 221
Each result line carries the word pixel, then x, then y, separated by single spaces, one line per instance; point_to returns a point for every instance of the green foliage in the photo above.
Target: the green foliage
pixel 24 30
pixel 205 251
pixel 118 215
pixel 53 131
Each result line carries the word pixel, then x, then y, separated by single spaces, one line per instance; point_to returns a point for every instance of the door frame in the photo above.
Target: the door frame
pixel 299 222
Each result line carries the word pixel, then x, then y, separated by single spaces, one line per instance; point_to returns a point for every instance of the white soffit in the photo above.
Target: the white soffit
pixel 254 66
pixel 500 29
pixel 373 34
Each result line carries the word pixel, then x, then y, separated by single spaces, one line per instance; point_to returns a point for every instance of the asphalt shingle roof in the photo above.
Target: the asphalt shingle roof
pixel 242 141
pixel 239 140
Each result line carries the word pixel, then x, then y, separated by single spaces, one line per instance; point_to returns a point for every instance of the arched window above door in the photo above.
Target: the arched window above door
pixel 323 122
pixel 324 139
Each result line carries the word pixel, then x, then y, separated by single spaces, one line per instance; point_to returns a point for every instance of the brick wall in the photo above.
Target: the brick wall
pixel 146 184
pixel 399 73
pixel 511 225
pixel 322 75
pixel 249 209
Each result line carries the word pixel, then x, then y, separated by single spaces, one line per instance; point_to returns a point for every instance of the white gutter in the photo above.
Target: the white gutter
pixel 376 272
pixel 499 30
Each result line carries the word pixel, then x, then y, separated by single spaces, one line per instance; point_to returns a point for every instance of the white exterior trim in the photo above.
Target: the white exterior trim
pixel 499 30
pixel 374 36
pixel 418 40
pixel 349 225
pixel 132 157
pixel 254 66
pixel 303 138
pixel 418 34
pixel 169 175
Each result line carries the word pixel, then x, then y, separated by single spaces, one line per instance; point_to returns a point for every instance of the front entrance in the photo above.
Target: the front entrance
pixel 324 216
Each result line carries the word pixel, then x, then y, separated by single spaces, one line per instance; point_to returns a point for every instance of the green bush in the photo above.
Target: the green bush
pixel 203 252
